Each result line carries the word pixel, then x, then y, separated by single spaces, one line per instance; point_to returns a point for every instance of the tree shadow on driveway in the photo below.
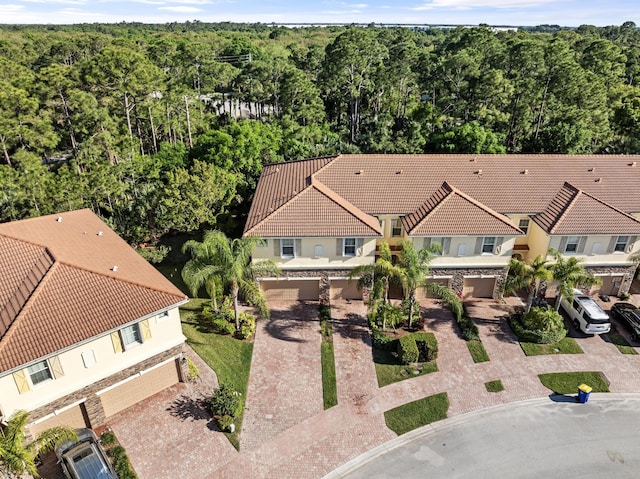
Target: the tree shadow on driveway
pixel 287 322
pixel 186 407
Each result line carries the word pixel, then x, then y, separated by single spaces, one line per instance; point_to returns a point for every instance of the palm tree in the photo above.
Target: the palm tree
pixel 569 273
pixel 523 275
pixel 414 267
pixel 17 456
pixel 218 258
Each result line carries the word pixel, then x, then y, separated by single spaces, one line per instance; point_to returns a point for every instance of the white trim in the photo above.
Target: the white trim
pixel 339 278
pixel 57 412
pixel 481 276
pixel 433 276
pixel 306 278
pixel 138 374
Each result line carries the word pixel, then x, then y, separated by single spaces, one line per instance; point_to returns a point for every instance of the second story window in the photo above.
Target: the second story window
pixel 287 248
pixel 396 227
pixel 572 244
pixel 131 336
pixel 39 372
pixel 621 244
pixel 523 224
pixel 488 244
pixel 349 247
pixel 438 241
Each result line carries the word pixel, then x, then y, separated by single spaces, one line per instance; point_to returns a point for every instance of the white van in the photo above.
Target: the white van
pixel 586 314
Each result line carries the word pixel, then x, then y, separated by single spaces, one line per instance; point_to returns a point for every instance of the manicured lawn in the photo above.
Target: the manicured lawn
pixel 566 346
pixel 494 386
pixel 620 342
pixel 389 370
pixel 417 413
pixel 329 388
pixel 478 353
pixel 567 383
pixel 230 358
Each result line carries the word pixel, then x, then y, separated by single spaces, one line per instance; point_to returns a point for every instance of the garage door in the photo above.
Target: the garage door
pixel 284 290
pixel 345 289
pixel 478 287
pixel 610 285
pixel 73 417
pixel 131 392
pixel 422 293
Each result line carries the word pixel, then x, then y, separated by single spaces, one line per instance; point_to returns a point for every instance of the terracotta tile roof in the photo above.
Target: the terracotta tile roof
pixel 450 212
pixel 79 294
pixel 401 184
pixel 317 211
pixel 574 211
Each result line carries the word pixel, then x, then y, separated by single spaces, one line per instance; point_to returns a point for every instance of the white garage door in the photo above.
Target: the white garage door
pixel 345 289
pixel 134 391
pixel 72 417
pixel 478 287
pixel 291 290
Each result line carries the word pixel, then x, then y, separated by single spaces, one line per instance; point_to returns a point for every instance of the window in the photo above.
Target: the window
pixel 131 336
pixel 439 241
pixel 39 372
pixel 523 224
pixel 621 244
pixel 262 243
pixel 162 317
pixel 349 246
pixel 382 226
pixel 318 251
pixel 595 248
pixel 572 244
pixel 287 248
pixel 462 249
pixel 89 358
pixel 488 244
pixel 396 227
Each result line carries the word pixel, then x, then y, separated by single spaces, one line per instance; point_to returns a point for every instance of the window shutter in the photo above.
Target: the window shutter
pixel 446 244
pixel 581 244
pixel 631 243
pixel 498 247
pixel 298 248
pixel 276 248
pixel 360 244
pixel 479 241
pixel 563 244
pixel 339 250
pixel 56 367
pixel 612 244
pixel 426 242
pixel 21 381
pixel 145 330
pixel 117 342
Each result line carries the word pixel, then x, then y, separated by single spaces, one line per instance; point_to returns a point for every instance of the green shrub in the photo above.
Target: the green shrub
pixel 225 422
pixel 121 463
pixel 226 402
pixel 247 325
pixel 427 346
pixel 325 312
pixel 108 438
pixel 222 326
pixel 194 372
pixel 549 326
pixel 154 254
pixel 408 350
pixel 381 341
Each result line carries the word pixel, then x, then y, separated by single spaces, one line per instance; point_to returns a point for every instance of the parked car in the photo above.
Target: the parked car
pixel 84 459
pixel 585 313
pixel 630 316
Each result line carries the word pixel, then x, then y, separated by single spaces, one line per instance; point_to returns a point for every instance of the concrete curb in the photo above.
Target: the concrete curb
pixel 354 464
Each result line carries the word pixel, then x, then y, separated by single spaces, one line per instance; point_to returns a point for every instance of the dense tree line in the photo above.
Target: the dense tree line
pixel 140 122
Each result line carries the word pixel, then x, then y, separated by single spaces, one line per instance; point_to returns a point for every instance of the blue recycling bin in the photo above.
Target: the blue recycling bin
pixel 584 392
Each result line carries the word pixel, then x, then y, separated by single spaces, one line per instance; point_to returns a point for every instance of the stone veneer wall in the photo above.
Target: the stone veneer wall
pixel 324 276
pixel 627 273
pixel 93 406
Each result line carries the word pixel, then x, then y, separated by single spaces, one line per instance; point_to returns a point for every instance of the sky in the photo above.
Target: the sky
pixel 466 12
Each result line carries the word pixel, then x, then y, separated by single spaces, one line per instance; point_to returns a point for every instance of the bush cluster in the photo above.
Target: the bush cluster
pixel 452 301
pixel 408 349
pixel 194 372
pixel 381 341
pixel 225 404
pixel 118 456
pixel 548 324
pixel 416 347
pixel 247 325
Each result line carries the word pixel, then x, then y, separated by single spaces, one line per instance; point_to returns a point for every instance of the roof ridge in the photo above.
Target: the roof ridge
pixel 447 189
pixel 576 194
pixel 32 243
pixel 333 158
pixel 602 202
pixel 367 219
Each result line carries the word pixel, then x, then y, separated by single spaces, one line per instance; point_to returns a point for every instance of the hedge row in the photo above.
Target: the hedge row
pixel 416 347
pixel 530 336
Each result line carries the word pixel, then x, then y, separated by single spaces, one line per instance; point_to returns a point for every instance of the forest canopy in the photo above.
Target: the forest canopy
pixel 165 128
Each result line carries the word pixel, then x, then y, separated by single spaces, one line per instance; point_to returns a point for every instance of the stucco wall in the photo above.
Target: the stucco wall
pixel 602 257
pixel 166 333
pixel 454 260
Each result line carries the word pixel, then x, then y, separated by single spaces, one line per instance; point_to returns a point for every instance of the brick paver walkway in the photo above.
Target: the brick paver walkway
pixel 286 432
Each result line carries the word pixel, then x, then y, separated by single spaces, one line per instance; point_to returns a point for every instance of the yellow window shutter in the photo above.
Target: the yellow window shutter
pixel 21 381
pixel 145 330
pixel 117 342
pixel 56 367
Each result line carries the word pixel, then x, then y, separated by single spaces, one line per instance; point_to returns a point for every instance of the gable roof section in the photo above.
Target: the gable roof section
pixel 317 212
pixel 574 211
pixel 450 212
pixel 59 285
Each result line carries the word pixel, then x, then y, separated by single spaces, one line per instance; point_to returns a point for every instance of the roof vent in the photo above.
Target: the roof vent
pixel 591 169
pixel 525 172
pixel 472 160
pixel 478 172
pixel 633 163
pixel 360 172
pixel 59 219
pixel 99 233
pixel 598 180
pixel 115 268
pixel 399 172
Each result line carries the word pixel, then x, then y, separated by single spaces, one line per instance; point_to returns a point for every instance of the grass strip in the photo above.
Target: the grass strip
pixel 477 350
pixel 567 383
pixel 418 413
pixel 329 385
pixel 230 358
pixel 620 342
pixel 566 346
pixel 389 370
pixel 494 386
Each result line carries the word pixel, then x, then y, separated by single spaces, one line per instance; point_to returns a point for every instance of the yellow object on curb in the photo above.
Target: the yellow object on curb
pixel 584 388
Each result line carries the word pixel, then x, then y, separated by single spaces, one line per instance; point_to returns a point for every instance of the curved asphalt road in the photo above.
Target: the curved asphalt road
pixel 540 438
